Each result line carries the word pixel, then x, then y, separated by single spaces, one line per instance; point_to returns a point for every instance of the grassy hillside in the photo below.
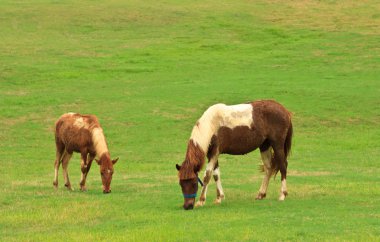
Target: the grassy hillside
pixel 148 70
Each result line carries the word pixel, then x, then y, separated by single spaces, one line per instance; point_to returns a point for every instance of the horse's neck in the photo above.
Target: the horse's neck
pixel 194 160
pixel 206 127
pixel 99 142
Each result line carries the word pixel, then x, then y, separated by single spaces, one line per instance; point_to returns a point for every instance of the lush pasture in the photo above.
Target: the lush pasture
pixel 149 69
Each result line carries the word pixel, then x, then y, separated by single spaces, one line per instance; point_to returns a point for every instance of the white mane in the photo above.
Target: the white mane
pixel 220 115
pixel 99 141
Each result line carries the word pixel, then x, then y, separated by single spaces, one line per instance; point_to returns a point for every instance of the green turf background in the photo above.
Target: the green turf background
pixel 148 70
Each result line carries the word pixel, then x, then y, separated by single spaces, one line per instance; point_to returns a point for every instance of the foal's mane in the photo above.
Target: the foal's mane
pixel 194 160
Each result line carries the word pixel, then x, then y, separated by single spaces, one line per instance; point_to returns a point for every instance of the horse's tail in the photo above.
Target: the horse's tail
pixel 288 140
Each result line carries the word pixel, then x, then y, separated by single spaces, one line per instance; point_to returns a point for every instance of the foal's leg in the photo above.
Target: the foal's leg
pixel 266 157
pixel 85 167
pixel 206 180
pixel 219 189
pixel 65 163
pixel 57 163
pixel 279 155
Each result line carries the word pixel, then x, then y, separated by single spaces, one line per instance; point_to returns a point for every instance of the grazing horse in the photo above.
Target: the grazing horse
pixel 82 134
pixel 236 130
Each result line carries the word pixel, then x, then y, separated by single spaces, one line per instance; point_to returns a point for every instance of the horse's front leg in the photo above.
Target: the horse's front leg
pixel 206 180
pixel 219 188
pixel 85 167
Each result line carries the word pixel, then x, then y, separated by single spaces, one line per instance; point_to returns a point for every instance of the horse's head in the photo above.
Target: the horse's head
pixel 106 171
pixel 189 188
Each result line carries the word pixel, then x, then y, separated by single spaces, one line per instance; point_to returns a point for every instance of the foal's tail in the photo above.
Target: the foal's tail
pixel 288 140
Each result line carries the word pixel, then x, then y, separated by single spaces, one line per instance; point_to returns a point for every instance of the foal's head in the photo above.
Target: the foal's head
pixel 106 171
pixel 189 186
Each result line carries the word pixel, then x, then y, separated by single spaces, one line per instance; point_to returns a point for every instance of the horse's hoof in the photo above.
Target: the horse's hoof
pixel 260 196
pixel 68 186
pixel 55 184
pixel 282 196
pixel 83 189
pixel 200 204
pixel 218 200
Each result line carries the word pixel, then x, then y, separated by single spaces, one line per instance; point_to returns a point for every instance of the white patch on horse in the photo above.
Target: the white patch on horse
pixel 220 115
pixel 80 123
pixel 99 141
pixel 283 190
pixel 237 115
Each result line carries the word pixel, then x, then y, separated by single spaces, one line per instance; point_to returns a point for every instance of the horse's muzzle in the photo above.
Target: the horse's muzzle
pixel 188 206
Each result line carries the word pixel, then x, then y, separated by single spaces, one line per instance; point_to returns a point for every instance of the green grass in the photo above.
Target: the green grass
pixel 148 70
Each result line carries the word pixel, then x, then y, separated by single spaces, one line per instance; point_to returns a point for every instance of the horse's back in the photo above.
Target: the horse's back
pixel 271 118
pixel 73 130
pixel 87 121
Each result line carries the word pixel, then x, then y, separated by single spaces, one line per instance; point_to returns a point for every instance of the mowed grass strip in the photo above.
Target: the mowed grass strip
pixel 148 70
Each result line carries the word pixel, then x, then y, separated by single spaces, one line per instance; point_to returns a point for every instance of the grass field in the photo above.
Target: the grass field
pixel 148 70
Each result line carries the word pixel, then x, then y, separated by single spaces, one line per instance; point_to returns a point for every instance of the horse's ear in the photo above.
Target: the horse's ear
pixel 98 161
pixel 115 160
pixel 178 167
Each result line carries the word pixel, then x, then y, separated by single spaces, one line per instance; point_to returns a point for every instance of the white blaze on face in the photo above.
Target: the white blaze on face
pixel 217 116
pixel 99 141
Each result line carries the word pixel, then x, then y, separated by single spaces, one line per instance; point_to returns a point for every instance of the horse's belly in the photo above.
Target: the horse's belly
pixel 77 142
pixel 238 141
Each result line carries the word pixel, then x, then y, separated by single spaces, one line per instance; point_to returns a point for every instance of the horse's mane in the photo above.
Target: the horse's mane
pixel 99 141
pixel 194 160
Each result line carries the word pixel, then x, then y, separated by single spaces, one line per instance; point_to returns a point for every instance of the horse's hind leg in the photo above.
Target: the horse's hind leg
pixel 266 156
pixel 58 159
pixel 219 189
pixel 279 155
pixel 65 162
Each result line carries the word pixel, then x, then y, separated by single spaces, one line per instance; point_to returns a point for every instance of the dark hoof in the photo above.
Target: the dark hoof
pixel 260 196
pixel 105 192
pixel 68 186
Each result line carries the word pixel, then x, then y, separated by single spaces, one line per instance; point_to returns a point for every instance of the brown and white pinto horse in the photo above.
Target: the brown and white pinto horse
pixel 236 130
pixel 83 134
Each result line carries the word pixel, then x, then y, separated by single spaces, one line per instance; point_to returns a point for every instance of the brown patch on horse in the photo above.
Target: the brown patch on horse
pixel 216 178
pixel 194 160
pixel 213 147
pixel 239 140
